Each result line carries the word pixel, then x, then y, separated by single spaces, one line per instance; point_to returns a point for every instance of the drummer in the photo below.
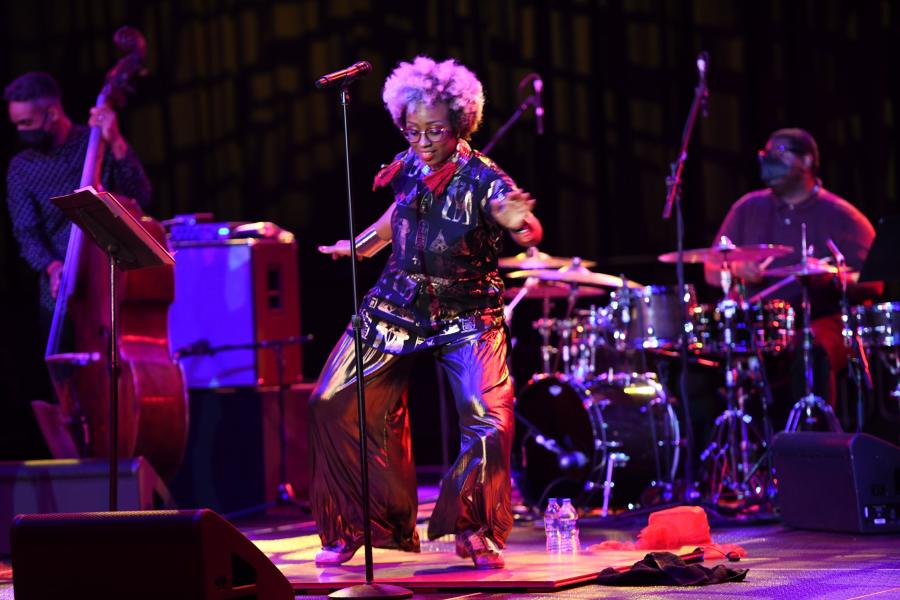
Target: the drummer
pixel 794 195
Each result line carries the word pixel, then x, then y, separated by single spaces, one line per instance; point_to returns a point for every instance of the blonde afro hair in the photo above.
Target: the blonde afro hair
pixel 429 82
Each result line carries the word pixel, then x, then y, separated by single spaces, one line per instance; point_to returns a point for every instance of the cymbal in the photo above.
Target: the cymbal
pixel 574 274
pixel 812 266
pixel 552 290
pixel 728 252
pixel 535 259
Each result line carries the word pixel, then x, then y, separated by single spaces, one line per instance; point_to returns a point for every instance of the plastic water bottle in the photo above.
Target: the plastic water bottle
pixel 568 528
pixel 551 525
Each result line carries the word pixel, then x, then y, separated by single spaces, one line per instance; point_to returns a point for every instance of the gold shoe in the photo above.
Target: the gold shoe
pixel 483 551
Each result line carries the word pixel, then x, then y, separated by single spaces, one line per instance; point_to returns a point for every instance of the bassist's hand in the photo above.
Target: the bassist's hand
pixel 105 118
pixel 54 271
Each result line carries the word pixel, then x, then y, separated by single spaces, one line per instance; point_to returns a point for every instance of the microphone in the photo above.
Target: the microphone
pixel 344 76
pixel 538 105
pixel 838 257
pixel 702 63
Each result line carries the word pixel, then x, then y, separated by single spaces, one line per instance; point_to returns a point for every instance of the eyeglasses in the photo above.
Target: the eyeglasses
pixel 434 134
pixel 779 151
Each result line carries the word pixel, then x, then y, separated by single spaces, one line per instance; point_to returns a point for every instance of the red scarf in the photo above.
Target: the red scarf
pixel 387 174
pixel 437 180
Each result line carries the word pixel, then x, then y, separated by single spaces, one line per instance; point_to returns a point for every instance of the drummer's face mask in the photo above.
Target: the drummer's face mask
pixel 777 162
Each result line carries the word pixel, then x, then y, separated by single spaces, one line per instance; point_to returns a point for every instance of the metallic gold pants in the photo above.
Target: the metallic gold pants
pixel 475 493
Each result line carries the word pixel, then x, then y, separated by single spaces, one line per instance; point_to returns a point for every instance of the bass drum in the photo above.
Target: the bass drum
pixel 567 432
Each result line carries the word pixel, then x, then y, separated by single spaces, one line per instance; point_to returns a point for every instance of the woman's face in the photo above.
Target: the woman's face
pixel 428 131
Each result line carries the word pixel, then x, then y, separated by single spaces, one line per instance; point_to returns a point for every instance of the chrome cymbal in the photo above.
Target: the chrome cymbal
pixel 574 274
pixel 553 290
pixel 812 266
pixel 535 259
pixel 728 252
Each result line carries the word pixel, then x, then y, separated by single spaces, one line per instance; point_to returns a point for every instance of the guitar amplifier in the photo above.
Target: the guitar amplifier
pixel 232 295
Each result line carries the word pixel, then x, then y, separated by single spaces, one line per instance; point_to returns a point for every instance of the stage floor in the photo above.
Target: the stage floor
pixel 783 563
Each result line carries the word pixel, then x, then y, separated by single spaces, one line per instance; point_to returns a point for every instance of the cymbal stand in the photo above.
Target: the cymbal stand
pixel 858 362
pixel 544 327
pixel 730 439
pixel 809 402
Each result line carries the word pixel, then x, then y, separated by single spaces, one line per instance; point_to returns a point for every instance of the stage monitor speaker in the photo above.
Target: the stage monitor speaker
pixel 189 555
pixel 235 293
pixel 838 481
pixel 76 485
pixel 233 457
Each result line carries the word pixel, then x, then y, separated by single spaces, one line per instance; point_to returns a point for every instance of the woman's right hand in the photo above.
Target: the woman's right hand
pixel 337 250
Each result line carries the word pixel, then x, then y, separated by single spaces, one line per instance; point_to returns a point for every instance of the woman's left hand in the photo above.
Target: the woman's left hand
pixel 511 211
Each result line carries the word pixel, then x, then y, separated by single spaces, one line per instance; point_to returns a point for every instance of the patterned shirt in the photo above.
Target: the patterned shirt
pixel 441 282
pixel 35 176
pixel 761 217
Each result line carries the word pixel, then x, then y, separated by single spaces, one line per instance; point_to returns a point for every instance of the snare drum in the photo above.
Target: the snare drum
pixel 567 431
pixel 878 325
pixel 649 317
pixel 771 322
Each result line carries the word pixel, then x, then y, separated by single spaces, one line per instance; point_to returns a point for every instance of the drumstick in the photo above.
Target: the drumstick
pixel 509 308
pixel 771 289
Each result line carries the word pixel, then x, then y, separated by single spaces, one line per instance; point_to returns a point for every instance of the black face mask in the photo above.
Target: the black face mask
pixel 771 169
pixel 35 138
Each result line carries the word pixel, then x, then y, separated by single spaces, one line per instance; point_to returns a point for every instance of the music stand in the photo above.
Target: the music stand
pixel 129 246
pixel 881 262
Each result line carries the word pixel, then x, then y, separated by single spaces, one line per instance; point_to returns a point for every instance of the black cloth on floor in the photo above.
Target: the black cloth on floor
pixel 665 568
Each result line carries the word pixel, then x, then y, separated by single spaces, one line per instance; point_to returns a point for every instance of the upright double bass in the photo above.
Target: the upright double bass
pixel 152 398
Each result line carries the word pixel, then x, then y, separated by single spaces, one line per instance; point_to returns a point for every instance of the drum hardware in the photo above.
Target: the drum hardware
pixel 615 459
pixel 809 403
pixel 857 362
pixel 732 472
pixel 649 317
pixel 574 273
pixel 590 430
pixel 726 251
pixel 878 327
pixel 533 258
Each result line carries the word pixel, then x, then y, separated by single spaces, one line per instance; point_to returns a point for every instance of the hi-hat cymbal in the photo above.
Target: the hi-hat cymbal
pixel 552 290
pixel 718 254
pixel 535 259
pixel 575 274
pixel 811 266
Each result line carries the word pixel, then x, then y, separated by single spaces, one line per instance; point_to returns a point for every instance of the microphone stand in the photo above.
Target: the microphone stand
pixel 367 589
pixel 529 101
pixel 673 198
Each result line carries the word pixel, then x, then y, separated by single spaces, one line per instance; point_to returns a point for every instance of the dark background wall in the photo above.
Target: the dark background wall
pixel 227 119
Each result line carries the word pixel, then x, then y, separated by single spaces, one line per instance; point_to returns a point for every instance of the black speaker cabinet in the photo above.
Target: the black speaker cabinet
pixel 233 458
pixel 838 482
pixel 77 485
pixel 189 555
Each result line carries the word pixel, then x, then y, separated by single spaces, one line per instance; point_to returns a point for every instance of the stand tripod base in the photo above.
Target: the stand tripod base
pixel 807 405
pixel 372 590
pixel 735 475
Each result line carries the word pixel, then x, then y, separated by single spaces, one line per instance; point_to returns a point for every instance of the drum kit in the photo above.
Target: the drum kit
pixel 607 436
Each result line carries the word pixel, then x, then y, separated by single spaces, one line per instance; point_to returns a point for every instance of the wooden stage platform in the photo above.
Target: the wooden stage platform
pixel 783 563
pixel 528 566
